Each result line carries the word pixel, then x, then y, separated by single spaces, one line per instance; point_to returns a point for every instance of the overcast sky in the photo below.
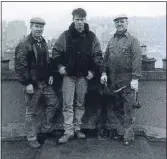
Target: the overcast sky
pixel 58 14
pixel 57 10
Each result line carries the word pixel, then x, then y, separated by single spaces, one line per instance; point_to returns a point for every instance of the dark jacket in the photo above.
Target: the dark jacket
pixel 78 52
pixel 31 65
pixel 122 60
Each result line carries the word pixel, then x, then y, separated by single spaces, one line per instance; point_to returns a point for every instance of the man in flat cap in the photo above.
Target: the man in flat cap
pixel 77 56
pixel 121 71
pixel 32 66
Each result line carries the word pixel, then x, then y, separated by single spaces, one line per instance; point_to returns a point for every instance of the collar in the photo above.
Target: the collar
pixel 36 40
pixel 125 33
pixel 75 32
pixel 39 40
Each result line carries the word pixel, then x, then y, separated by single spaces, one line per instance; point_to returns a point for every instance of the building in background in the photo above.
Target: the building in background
pixel 12 33
pixel 15 31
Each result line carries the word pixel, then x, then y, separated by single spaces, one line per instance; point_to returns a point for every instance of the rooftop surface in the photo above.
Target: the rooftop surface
pixel 91 148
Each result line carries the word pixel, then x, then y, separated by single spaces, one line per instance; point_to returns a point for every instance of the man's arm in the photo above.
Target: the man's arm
pixel 57 51
pixel 136 64
pixel 136 59
pixel 21 64
pixel 105 61
pixel 104 67
pixel 97 56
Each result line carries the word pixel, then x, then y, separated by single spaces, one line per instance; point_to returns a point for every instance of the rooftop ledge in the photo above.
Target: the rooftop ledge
pixel 156 75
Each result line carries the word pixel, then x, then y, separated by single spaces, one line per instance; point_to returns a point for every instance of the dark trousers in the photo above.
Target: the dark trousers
pixel 45 91
pixel 118 112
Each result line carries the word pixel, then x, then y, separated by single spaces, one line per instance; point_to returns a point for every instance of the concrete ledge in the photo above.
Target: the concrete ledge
pixel 16 131
pixel 9 75
pixel 151 133
pixel 12 130
pixel 157 74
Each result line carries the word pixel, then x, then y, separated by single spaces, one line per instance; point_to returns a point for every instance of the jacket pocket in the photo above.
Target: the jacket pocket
pixel 111 48
pixel 125 50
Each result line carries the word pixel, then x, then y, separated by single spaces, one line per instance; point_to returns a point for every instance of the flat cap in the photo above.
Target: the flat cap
pixel 37 20
pixel 121 16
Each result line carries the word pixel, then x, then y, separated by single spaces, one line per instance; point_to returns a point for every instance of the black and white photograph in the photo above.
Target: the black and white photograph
pixel 83 80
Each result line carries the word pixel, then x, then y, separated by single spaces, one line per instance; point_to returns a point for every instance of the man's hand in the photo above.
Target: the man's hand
pixel 134 84
pixel 30 89
pixel 103 78
pixel 62 70
pixel 90 75
pixel 50 80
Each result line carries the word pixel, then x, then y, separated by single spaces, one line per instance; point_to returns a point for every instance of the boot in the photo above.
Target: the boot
pixel 65 138
pixel 80 135
pixel 127 142
pixel 34 144
pixel 116 136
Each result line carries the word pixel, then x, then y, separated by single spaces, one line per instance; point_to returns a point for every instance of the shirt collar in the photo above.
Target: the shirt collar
pixel 39 40
pixel 126 34
pixel 36 40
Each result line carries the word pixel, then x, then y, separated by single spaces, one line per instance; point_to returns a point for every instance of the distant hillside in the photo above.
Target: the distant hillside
pixel 149 30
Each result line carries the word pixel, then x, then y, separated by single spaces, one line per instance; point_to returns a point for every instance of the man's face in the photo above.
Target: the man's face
pixel 79 22
pixel 37 29
pixel 121 25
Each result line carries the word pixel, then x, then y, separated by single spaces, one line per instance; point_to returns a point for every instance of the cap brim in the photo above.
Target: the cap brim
pixel 120 18
pixel 38 23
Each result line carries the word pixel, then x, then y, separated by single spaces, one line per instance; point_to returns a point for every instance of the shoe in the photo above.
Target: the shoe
pixel 117 137
pixel 80 135
pixel 65 138
pixel 101 137
pixel 126 142
pixel 34 144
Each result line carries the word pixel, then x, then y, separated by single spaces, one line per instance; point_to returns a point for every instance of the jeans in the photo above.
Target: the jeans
pixel 74 90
